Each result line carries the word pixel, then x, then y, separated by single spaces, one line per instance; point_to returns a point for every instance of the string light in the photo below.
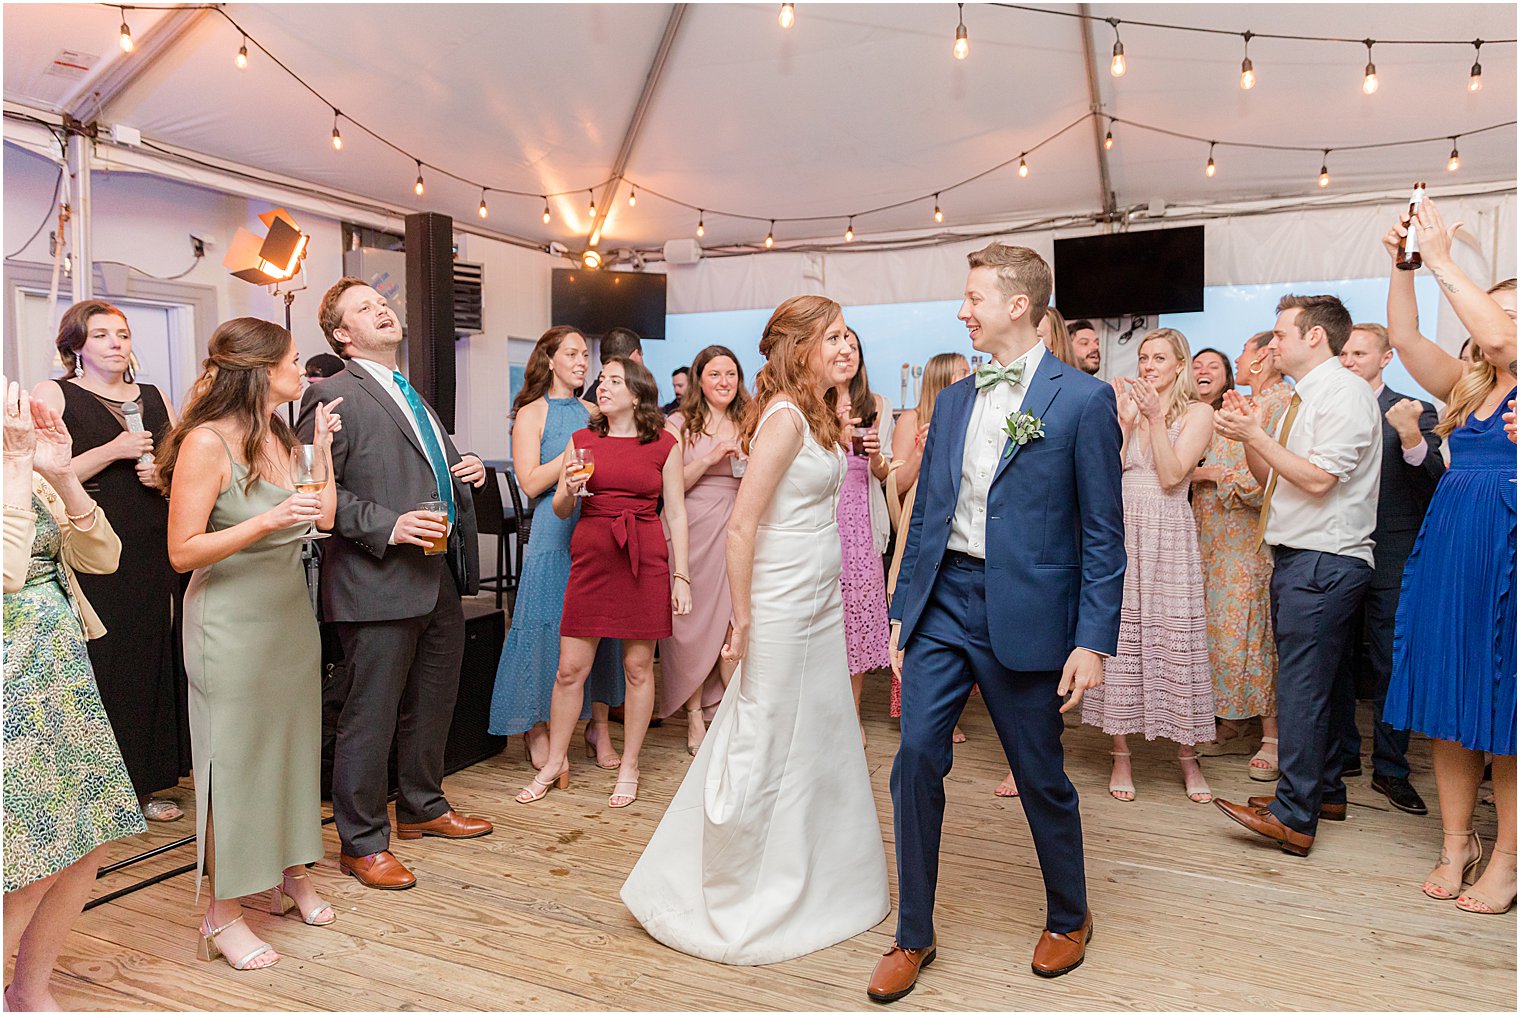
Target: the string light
pixel 1023 168
pixel 770 236
pixel 1247 69
pixel 483 211
pixel 337 138
pixel 1108 140
pixel 593 202
pixel 633 196
pixel 939 216
pixel 419 186
pixel 1369 76
pixel 962 46
pixel 126 33
pixel 1209 169
pixel 1455 161
pixel 546 215
pixel 849 231
pixel 1324 170
pixel 788 15
pixel 242 55
pixel 1475 76
pixel 701 226
pixel 591 259
pixel 1117 66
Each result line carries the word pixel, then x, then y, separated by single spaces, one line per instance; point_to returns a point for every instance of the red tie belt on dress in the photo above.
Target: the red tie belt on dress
pixel 625 527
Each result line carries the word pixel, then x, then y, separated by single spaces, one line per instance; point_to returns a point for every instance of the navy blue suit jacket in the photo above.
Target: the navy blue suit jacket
pixel 1055 521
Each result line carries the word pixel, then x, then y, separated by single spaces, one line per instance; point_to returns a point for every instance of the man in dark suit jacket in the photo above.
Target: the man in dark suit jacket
pixel 395 607
pixel 1012 579
pixel 1412 466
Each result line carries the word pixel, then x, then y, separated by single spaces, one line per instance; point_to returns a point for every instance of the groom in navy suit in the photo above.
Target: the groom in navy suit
pixel 1012 578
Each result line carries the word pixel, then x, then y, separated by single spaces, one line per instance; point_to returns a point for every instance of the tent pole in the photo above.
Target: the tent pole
pixel 1095 103
pixel 79 217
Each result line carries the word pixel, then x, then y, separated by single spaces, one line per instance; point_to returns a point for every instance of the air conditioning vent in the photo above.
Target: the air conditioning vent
pixel 469 317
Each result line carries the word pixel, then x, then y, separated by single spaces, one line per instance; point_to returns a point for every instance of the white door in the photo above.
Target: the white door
pixel 162 341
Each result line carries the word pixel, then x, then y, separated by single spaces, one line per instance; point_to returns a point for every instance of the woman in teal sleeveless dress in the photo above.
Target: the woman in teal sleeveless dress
pixel 549 405
pixel 252 649
pixel 67 793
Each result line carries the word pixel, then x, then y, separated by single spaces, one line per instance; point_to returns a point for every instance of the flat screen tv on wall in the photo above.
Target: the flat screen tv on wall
pixel 595 302
pixel 1155 271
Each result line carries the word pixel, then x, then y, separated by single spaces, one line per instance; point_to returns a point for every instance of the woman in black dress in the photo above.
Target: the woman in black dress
pixel 138 663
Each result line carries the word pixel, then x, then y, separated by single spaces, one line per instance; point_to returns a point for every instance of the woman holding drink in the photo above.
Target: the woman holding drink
pixel 252 650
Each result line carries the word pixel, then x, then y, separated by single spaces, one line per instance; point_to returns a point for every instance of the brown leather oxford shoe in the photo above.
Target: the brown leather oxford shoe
pixel 1264 823
pixel 1327 812
pixel 1058 954
pixel 896 972
pixel 378 870
pixel 448 825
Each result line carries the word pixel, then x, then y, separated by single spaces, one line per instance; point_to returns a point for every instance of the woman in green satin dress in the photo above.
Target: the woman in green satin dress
pixel 252 649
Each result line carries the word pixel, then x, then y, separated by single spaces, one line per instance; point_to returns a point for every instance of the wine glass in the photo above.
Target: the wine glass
pixel 308 469
pixel 585 462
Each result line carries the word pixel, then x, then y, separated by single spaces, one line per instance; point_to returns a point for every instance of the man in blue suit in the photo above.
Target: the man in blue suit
pixel 1012 578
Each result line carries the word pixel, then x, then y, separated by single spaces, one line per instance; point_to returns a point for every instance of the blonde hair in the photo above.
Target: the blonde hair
pixel 939 374
pixel 796 327
pixel 1020 272
pixel 1475 384
pixel 1185 387
pixel 1060 338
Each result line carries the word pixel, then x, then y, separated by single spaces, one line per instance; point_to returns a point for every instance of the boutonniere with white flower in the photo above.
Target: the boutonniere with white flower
pixel 1022 427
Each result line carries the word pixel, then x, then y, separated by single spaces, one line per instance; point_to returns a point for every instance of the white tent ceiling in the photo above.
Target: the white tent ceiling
pixel 854 107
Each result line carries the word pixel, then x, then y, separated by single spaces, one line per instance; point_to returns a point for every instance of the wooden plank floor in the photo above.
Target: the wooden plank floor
pixel 1191 913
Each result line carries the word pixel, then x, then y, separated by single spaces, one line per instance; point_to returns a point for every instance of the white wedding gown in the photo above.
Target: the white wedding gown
pixel 771 848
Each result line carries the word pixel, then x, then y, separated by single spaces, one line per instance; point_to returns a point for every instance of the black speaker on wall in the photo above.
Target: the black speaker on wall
pixel 430 311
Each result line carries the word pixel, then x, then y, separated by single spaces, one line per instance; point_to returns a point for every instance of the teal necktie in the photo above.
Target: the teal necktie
pixel 990 374
pixel 430 445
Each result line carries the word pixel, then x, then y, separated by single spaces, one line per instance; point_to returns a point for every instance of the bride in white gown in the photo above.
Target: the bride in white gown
pixel 771 848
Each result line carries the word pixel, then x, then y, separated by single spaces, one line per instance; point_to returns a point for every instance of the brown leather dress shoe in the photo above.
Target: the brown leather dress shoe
pixel 1058 954
pixel 1327 812
pixel 897 972
pixel 448 825
pixel 378 870
pixel 1263 822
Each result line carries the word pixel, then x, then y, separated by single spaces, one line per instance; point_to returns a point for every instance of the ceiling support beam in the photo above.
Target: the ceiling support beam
pixel 636 122
pixel 86 103
pixel 1107 199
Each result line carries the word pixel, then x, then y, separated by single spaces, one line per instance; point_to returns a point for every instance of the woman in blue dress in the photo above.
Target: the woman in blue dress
pixel 1454 653
pixel 544 415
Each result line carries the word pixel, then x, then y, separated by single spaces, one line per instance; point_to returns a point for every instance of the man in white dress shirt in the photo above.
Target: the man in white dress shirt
pixel 1321 473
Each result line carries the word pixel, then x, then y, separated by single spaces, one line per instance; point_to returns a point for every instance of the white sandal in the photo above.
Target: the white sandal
pixel 209 949
pixel 1115 788
pixel 281 901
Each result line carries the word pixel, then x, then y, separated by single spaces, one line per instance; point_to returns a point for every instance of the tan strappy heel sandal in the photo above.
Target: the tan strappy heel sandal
pixel 1442 890
pixel 281 901
pixel 1198 792
pixel 1271 772
pixel 210 950
pixel 1472 901
pixel 594 750
pixel 1115 788
pixel 537 789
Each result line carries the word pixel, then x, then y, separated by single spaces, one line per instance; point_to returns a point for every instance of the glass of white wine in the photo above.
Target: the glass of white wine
pixel 308 470
pixel 585 463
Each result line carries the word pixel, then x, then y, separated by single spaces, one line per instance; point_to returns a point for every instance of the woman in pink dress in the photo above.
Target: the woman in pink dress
pixel 707 427
pixel 864 529
pixel 1158 682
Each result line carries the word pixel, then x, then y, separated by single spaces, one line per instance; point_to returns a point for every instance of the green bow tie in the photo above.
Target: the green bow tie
pixel 990 374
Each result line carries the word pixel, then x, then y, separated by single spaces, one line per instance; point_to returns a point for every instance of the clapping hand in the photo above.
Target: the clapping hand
pixel 1129 409
pixel 1146 400
pixel 20 436
pixel 328 423
pixel 1238 420
pixel 54 456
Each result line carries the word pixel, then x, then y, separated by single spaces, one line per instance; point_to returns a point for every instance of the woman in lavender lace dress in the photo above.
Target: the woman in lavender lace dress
pixel 1158 683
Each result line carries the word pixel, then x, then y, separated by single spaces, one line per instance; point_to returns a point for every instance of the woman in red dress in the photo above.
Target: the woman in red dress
pixel 621 583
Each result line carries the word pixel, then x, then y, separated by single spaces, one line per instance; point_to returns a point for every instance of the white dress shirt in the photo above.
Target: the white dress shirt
pixel 1339 429
pixel 383 375
pixel 985 441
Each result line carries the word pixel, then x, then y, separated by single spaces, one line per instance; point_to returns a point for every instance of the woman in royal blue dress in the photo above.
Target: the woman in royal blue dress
pixel 545 413
pixel 1454 654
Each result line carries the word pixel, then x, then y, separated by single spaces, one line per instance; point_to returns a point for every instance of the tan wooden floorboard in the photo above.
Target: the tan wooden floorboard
pixel 1190 912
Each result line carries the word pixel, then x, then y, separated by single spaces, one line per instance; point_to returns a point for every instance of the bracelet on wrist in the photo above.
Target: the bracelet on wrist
pixel 678 575
pixel 83 514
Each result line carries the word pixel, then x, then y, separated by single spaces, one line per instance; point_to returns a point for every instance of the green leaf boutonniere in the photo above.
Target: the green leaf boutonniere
pixel 1021 428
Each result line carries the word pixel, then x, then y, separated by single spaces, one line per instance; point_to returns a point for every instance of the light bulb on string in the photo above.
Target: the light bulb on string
pixel 962 47
pixel 419 186
pixel 849 231
pixel 1023 168
pixel 633 196
pixel 701 225
pixel 483 211
pixel 1108 141
pixel 1324 170
pixel 592 209
pixel 1455 161
pixel 242 55
pixel 1369 76
pixel 788 15
pixel 939 216
pixel 770 236
pixel 1117 67
pixel 1209 168
pixel 1247 68
pixel 1475 76
pixel 546 215
pixel 125 39
pixel 337 138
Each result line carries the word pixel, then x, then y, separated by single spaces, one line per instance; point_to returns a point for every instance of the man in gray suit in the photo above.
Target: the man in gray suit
pixel 396 608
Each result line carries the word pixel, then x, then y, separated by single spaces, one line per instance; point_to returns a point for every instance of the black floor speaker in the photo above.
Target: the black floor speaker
pixel 485 630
